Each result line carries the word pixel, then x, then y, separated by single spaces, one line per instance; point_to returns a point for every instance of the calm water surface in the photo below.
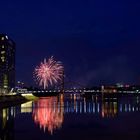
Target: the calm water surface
pixel 72 118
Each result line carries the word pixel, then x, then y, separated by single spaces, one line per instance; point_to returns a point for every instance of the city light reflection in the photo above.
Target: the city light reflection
pixel 48 113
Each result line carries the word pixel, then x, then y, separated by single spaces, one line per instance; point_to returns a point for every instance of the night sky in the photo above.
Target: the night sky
pixel 98 41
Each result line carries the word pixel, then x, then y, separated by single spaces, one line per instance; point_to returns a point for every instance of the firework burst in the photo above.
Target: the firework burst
pixel 49 72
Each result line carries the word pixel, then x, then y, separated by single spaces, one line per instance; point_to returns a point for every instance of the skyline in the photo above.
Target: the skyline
pixel 98 42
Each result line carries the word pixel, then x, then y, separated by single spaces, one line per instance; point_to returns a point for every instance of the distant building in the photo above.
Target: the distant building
pixel 7 62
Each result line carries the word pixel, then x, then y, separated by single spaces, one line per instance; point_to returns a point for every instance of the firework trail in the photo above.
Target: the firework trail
pixel 49 72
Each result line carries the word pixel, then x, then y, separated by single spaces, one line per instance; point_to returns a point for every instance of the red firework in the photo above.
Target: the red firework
pixel 49 72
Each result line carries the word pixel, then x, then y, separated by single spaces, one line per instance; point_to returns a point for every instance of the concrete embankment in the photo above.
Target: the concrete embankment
pixel 12 100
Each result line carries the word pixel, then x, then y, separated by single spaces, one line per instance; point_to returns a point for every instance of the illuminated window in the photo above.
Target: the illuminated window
pixel 2 46
pixel 5 86
pixel 2 52
pixel 2 38
pixel 2 59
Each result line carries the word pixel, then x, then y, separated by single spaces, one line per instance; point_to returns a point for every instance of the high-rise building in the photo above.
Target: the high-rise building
pixel 7 62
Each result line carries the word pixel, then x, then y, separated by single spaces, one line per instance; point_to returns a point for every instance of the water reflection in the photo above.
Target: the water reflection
pixel 103 107
pixel 109 109
pixel 48 113
pixel 27 107
pixel 7 123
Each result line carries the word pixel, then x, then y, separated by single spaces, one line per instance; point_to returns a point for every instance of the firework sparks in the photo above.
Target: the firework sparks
pixel 49 72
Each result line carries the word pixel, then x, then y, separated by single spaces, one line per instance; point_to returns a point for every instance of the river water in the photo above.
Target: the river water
pixel 72 117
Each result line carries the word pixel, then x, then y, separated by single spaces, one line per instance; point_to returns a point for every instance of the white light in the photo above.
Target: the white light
pixel 6 37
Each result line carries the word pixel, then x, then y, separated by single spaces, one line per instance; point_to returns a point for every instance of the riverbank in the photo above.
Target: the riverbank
pixel 12 100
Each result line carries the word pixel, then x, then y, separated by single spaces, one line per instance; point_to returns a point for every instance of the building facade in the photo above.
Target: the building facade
pixel 7 62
